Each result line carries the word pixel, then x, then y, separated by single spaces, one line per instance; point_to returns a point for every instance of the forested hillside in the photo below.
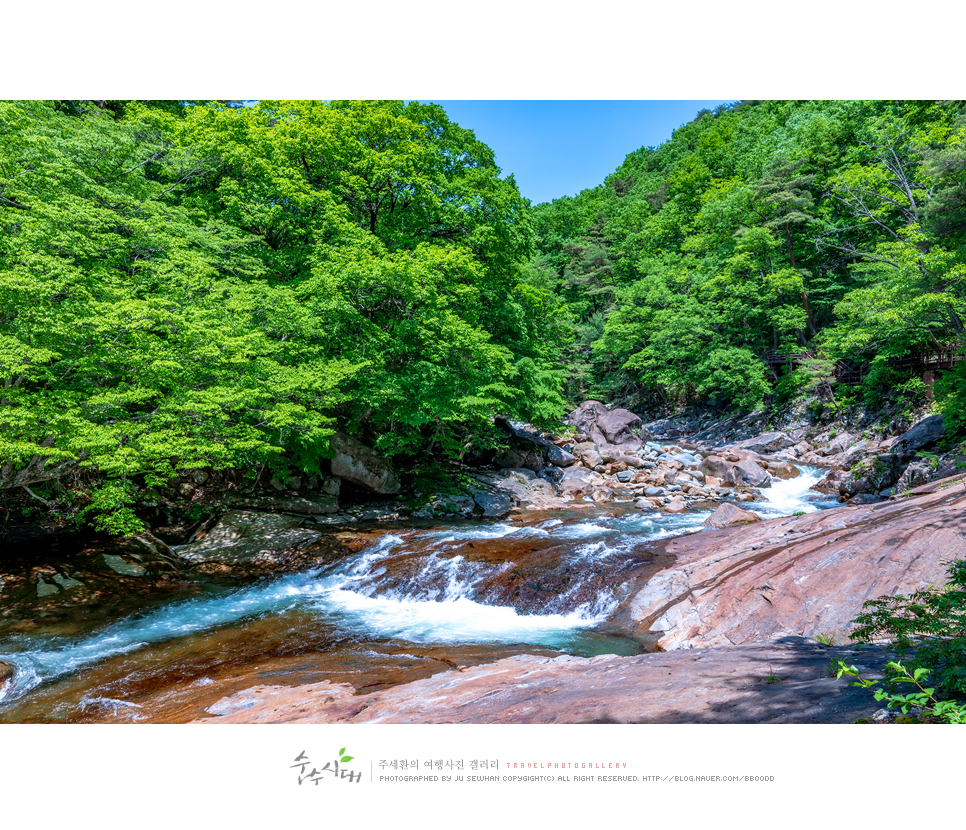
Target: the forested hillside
pixel 214 286
pixel 204 285
pixel 833 227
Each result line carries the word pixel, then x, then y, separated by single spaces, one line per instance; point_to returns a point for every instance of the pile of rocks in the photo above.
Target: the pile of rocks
pixel 608 459
pixel 866 467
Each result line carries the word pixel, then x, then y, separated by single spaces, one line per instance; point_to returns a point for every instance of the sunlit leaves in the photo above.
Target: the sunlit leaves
pixel 213 286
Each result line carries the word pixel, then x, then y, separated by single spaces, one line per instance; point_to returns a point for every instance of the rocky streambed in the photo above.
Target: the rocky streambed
pixel 581 579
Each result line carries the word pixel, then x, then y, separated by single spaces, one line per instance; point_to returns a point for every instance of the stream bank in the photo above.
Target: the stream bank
pixel 376 606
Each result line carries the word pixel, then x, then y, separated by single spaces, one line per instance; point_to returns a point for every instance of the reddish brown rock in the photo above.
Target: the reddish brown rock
pixel 743 469
pixel 784 470
pixel 729 515
pixel 800 575
pixel 621 427
pixel 781 682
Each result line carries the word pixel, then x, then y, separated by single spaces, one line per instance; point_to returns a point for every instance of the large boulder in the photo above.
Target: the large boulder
pixel 784 470
pixel 521 454
pixel 741 471
pixel 586 451
pixel 527 490
pixel 557 456
pixel 577 481
pixel 584 417
pixel 620 427
pixel 751 473
pixel 247 541
pixel 766 442
pixel 729 515
pixel 358 464
pixel 924 434
pixel 530 450
pixel 492 505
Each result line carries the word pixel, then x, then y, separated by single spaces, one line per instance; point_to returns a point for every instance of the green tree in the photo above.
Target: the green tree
pixel 213 286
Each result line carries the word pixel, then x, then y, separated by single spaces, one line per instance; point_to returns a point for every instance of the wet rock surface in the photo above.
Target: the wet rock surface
pixel 800 575
pixel 786 681
pixel 89 581
pixel 177 680
pixel 730 587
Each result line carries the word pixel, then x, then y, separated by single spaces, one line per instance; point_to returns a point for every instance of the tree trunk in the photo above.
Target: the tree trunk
pixel 808 314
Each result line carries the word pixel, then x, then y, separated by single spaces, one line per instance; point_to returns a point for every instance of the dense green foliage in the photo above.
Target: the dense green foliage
pixel 205 285
pixel 924 699
pixel 930 626
pixel 212 286
pixel 838 226
pixel 928 630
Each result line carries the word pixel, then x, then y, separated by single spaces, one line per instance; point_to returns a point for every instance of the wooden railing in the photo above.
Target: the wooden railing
pixel 928 361
pixel 773 358
pixel 851 374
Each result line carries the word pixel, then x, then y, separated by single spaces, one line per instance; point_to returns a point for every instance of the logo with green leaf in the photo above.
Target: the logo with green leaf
pixel 343 758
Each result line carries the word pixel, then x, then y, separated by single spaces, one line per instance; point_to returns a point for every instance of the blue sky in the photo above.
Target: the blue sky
pixel 558 148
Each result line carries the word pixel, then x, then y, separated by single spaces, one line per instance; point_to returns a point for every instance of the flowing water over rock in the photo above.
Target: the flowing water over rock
pixel 416 602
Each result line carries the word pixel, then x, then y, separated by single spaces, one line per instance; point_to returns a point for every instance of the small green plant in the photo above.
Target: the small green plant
pixel 825 639
pixel 799 513
pixel 948 711
pixel 832 667
pixel 832 433
pixel 929 457
pixel 771 678
pixel 930 625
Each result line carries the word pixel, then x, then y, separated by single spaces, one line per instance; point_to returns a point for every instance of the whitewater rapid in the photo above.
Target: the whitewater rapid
pixel 439 603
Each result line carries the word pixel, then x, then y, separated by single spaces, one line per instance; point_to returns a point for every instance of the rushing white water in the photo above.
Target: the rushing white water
pixel 455 620
pixel 437 602
pixel 793 495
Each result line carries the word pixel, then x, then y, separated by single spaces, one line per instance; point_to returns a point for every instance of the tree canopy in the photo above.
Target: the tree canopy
pixel 213 286
pixel 203 284
pixel 836 226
